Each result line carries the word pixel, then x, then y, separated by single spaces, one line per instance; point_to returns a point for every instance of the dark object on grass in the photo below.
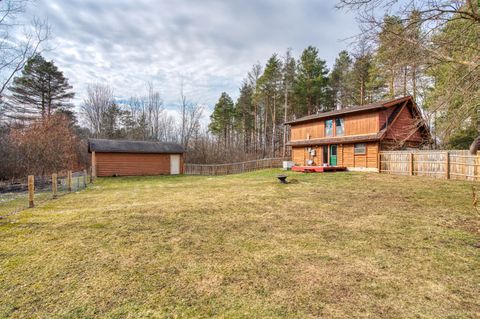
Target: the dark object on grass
pixel 282 179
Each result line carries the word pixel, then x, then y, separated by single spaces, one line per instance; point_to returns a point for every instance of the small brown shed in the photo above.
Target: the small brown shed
pixel 130 158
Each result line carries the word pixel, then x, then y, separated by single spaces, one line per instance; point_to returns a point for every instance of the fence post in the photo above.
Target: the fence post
pixel 475 167
pixel 447 165
pixel 54 185
pixel 94 166
pixel 379 162
pixel 31 191
pixel 411 164
pixel 69 181
pixel 85 178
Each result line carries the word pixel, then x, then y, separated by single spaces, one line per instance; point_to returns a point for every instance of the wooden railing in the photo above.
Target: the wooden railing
pixel 232 168
pixel 440 164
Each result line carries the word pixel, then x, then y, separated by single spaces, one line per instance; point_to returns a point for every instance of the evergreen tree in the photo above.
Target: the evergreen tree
pixel 311 87
pixel 457 84
pixel 244 117
pixel 40 90
pixel 340 83
pixel 288 76
pixel 270 89
pixel 221 120
pixel 391 52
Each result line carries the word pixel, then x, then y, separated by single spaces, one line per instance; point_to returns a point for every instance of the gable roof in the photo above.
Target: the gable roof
pixel 124 146
pixel 352 109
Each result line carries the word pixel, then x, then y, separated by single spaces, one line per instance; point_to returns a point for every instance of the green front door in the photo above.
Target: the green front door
pixel 333 155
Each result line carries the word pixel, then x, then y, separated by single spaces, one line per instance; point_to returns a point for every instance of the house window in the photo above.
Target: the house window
pixel 329 128
pixel 360 149
pixel 339 127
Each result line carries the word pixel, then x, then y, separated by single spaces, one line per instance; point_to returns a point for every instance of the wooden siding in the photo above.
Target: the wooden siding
pixel 345 156
pixel 365 123
pixel 298 155
pixel 383 116
pixel 404 128
pixel 314 129
pixel 130 164
pixel 357 124
pixel 348 159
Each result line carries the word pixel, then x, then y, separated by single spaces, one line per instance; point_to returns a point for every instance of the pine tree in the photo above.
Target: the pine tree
pixel 288 76
pixel 40 90
pixel 221 120
pixel 244 117
pixel 391 52
pixel 340 82
pixel 311 87
pixel 270 88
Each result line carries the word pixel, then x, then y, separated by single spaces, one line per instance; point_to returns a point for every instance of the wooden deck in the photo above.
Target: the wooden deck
pixel 318 169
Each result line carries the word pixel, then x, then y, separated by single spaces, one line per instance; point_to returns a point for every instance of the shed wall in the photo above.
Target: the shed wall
pixel 131 164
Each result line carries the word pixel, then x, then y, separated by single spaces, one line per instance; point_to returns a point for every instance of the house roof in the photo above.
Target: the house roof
pixel 339 140
pixel 351 109
pixel 123 146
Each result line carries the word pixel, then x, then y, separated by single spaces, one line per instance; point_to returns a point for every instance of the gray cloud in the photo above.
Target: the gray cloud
pixel 211 44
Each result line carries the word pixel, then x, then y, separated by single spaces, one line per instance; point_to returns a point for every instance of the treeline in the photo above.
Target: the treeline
pixel 431 53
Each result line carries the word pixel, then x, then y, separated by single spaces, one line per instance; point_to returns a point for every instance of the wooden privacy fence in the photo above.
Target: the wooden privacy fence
pixel 232 168
pixel 439 164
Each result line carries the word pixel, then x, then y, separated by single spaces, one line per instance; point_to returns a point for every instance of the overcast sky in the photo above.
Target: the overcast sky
pixel 211 44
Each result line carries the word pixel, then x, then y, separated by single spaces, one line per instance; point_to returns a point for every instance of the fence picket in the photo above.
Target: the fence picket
pixel 453 164
pixel 232 168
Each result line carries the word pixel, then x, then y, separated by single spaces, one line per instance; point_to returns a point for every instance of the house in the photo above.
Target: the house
pixel 127 158
pixel 354 136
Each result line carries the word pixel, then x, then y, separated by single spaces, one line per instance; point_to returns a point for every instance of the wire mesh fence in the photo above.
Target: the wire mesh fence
pixel 16 195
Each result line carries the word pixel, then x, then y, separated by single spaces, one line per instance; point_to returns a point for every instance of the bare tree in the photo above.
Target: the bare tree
pixel 449 40
pixel 190 115
pixel 155 111
pixel 18 42
pixel 99 98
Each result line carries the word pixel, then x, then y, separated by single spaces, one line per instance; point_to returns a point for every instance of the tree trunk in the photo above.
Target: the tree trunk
pixel 475 146
pixel 285 109
pixel 391 84
pixel 362 92
pixel 274 126
pixel 414 81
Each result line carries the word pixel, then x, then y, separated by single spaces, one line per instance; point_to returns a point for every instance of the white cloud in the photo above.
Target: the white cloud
pixel 211 44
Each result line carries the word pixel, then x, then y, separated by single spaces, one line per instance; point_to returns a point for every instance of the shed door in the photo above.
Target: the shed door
pixel 174 164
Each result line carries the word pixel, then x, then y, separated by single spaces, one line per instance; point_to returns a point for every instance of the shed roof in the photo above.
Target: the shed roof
pixel 124 146
pixel 352 109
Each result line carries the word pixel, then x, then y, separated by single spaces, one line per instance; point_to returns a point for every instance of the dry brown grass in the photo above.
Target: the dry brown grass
pixel 244 246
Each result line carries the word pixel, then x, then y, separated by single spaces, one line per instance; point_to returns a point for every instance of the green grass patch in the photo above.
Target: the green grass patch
pixel 245 246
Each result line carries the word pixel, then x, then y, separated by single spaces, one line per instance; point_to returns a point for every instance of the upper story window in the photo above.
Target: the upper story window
pixel 339 127
pixel 329 128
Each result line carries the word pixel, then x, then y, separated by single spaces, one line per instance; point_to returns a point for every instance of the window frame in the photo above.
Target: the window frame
pixel 355 152
pixel 342 121
pixel 331 128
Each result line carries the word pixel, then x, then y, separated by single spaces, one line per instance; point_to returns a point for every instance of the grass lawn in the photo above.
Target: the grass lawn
pixel 244 246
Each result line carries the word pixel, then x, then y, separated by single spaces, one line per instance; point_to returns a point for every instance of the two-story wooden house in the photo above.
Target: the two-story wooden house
pixel 352 137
